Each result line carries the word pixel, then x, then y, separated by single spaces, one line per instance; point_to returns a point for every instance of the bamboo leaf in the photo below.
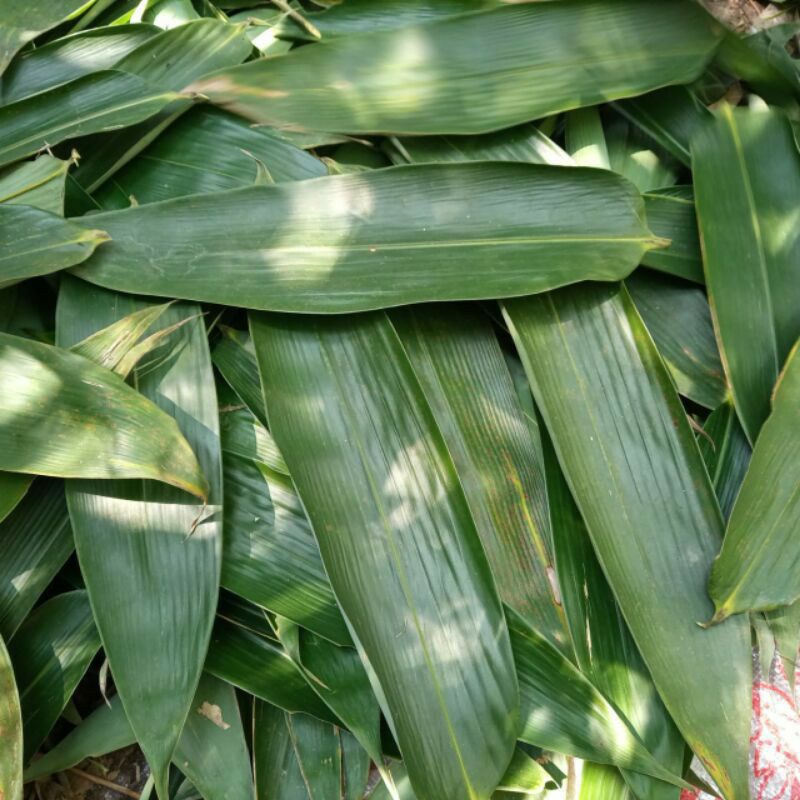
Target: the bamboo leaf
pixel 244 436
pixel 671 214
pixel 38 183
pixel 636 474
pixel 235 358
pixel 670 116
pixel 460 366
pixel 355 767
pixel 562 711
pixel 36 541
pixel 757 567
pixel 11 725
pixel 747 178
pixel 101 101
pixel 206 150
pixel 23 23
pixel 270 556
pixel 13 488
pixel 262 668
pixel 397 541
pixel 604 649
pixel 151 555
pixel 316 745
pixel 537 62
pixel 726 451
pixel 36 242
pixel 678 318
pixel 65 416
pixel 600 782
pixel 442 232
pixel 51 652
pixel 212 750
pixel 70 57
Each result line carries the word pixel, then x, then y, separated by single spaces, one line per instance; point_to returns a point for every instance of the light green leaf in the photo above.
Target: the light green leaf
pixel 11 725
pixel 64 416
pixel 379 238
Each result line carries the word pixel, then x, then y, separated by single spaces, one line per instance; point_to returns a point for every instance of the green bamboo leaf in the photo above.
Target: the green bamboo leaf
pixel 670 116
pixel 36 242
pixel 206 150
pixel 525 775
pixel 634 156
pixel 424 79
pixel 243 435
pixel 36 540
pixel 442 232
pixel 37 183
pixel 211 752
pixel 105 730
pixel 261 667
pixel 584 138
pixel 397 541
pixel 151 555
pixel 747 177
pixel 678 318
pixel 671 214
pixel 634 469
pixel 339 678
pixel 364 16
pixel 235 358
pixel 460 366
pixel 275 763
pixel 51 652
pixel 70 57
pixel 24 22
pixel 168 61
pixel 13 488
pixel 604 649
pixel 600 782
pixel 784 623
pixel 11 725
pixel 524 143
pixel 101 101
pixel 65 416
pixel 726 451
pixel 757 568
pixel 318 750
pixel 355 767
pixel 562 711
pixel 270 556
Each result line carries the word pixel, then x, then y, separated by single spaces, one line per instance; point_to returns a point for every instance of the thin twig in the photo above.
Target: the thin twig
pixel 103 782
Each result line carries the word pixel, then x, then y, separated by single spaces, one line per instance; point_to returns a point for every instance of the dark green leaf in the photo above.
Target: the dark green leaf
pixel 460 366
pixel 536 60
pixel 381 238
pixel 634 469
pixel 37 183
pixel 151 555
pixel 206 150
pixel 678 317
pixel 35 242
pixel 51 652
pixel 235 358
pixel 747 181
pixel 275 763
pixel 397 541
pixel 98 102
pixel 36 540
pixel 759 564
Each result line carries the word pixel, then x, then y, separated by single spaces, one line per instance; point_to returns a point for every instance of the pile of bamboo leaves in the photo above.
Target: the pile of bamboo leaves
pixel 398 399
